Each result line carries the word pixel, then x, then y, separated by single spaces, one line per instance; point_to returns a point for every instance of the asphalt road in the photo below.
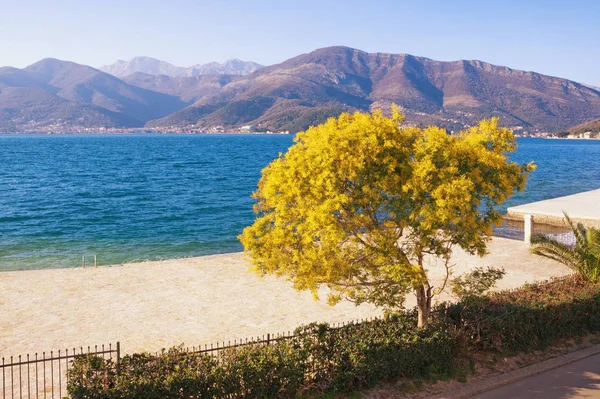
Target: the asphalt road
pixel 580 379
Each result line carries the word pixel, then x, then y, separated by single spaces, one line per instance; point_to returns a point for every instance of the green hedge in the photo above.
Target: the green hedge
pixel 317 359
pixel 324 359
pixel 528 318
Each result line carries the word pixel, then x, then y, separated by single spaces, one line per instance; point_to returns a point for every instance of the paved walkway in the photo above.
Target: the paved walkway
pixel 581 207
pixel 572 375
pixel 576 380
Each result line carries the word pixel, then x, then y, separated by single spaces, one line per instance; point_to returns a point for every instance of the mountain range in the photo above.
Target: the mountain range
pixel 292 95
pixel 54 92
pixel 152 66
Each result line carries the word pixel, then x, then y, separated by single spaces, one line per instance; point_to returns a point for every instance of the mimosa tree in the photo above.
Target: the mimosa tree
pixel 359 202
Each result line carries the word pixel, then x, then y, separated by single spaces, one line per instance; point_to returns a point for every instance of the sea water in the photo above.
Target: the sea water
pixel 131 198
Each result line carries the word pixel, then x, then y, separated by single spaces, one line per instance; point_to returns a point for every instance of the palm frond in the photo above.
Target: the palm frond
pixel 550 248
pixel 580 232
pixel 583 257
pixel 593 240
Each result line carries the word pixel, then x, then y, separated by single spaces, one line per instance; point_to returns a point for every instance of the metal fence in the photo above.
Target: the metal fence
pixel 216 348
pixel 515 230
pixel 559 233
pixel 45 376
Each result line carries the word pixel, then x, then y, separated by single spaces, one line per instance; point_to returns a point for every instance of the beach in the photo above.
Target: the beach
pixel 195 301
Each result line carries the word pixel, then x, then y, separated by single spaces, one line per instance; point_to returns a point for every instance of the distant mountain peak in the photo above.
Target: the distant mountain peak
pixel 54 63
pixel 153 66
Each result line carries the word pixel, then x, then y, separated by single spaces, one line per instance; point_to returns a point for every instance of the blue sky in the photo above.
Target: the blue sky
pixel 558 38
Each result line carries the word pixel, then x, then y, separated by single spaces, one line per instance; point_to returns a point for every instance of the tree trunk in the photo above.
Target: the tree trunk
pixel 423 304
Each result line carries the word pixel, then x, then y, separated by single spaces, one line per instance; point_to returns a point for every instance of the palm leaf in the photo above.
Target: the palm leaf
pixel 550 248
pixel 583 257
pixel 593 240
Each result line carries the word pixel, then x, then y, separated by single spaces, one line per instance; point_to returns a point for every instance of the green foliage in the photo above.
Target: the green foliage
pixel 317 359
pixel 359 201
pixel 530 317
pixel 361 355
pixel 168 375
pixel 320 359
pixel 477 282
pixel 91 376
pixel 583 257
pixel 261 371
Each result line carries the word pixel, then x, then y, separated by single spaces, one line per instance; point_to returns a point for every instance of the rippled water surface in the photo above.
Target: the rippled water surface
pixel 128 197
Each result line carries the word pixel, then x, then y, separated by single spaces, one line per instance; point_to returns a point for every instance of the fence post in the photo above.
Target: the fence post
pixel 528 228
pixel 118 357
pixel 268 338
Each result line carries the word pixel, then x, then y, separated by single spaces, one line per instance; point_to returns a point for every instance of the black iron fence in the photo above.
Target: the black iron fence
pixel 44 376
pixel 216 348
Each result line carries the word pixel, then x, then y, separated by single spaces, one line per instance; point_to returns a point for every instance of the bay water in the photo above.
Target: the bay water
pixel 128 198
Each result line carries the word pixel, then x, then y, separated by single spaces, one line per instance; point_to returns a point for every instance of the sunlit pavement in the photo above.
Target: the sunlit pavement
pixel 580 379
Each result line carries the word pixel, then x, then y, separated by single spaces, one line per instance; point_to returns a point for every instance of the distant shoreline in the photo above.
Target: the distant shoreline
pixel 158 133
pixel 147 133
pixel 566 138
pixel 131 263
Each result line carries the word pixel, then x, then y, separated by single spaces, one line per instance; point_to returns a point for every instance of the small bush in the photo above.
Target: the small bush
pixel 476 283
pixel 91 377
pixel 172 374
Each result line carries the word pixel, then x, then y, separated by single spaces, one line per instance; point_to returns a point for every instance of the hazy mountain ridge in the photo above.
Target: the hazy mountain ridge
pixel 69 94
pixel 152 66
pixel 187 88
pixel 310 87
pixel 294 94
